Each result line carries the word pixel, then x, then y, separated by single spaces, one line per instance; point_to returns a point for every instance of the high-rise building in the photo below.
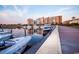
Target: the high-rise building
pixel 58 20
pixel 49 20
pixel 52 20
pixel 42 20
pixel 45 20
pixel 37 21
pixel 30 21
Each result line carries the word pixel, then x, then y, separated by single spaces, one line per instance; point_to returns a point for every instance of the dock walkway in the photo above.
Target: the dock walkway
pixel 52 44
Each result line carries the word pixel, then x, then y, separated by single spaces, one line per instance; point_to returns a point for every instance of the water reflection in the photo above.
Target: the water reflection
pixel 16 32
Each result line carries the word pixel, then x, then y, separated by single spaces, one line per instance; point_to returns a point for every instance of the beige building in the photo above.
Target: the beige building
pixel 58 19
pixel 72 21
pixel 76 21
pixel 52 20
pixel 41 20
pixel 37 21
pixel 49 20
pixel 46 20
pixel 30 21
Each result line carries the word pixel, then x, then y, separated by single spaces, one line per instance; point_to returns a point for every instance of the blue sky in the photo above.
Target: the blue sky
pixel 19 13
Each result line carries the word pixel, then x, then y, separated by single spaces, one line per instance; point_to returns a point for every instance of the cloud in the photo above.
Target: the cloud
pixel 67 12
pixel 17 15
pixel 63 10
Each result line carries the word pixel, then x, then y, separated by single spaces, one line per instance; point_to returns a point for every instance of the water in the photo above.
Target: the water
pixel 16 32
pixel 36 38
pixel 20 33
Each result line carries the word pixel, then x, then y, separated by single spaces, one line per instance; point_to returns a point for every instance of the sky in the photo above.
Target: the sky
pixel 14 14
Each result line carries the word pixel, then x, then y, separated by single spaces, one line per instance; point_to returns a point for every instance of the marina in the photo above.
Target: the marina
pixel 39 29
pixel 19 41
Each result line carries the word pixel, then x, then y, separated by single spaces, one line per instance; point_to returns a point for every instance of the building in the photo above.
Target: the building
pixel 72 21
pixel 75 21
pixel 73 18
pixel 37 21
pixel 45 20
pixel 53 20
pixel 58 20
pixel 66 22
pixel 30 21
pixel 41 20
pixel 49 20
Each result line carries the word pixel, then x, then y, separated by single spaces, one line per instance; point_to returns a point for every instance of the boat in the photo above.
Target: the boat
pixel 6 44
pixel 47 27
pixel 2 32
pixel 5 37
pixel 18 46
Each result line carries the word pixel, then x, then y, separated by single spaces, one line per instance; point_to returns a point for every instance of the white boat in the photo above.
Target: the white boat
pixel 2 33
pixel 47 27
pixel 18 47
pixel 5 37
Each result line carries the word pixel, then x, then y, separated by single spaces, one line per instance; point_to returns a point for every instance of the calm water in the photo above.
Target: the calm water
pixel 16 32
